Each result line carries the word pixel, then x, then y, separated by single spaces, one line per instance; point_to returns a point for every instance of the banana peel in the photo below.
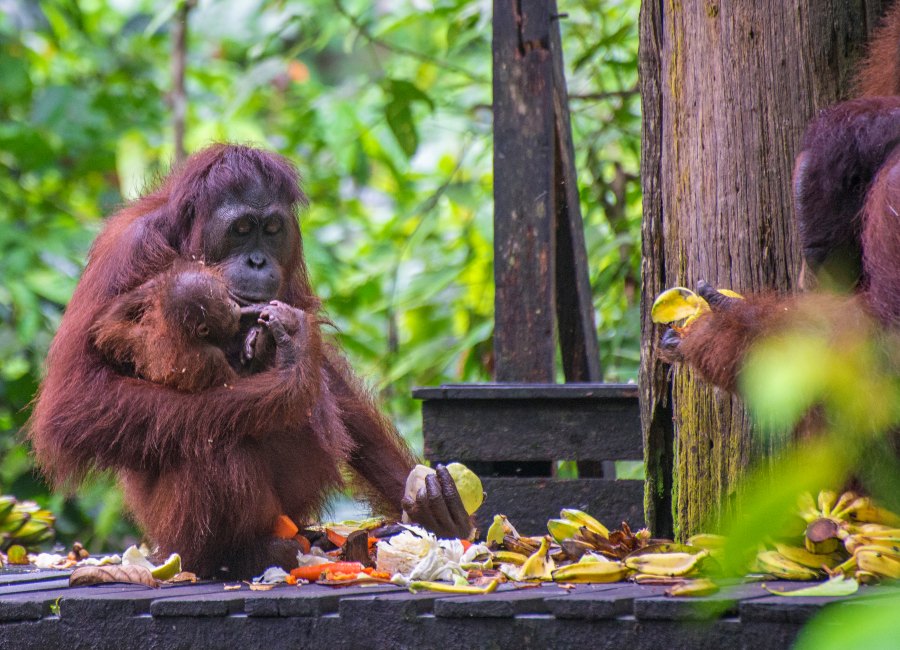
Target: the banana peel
pixel 682 304
pixel 774 563
pixel 539 566
pixel 584 519
pixel 694 588
pixel 562 529
pixel 444 588
pixel 668 565
pixel 587 572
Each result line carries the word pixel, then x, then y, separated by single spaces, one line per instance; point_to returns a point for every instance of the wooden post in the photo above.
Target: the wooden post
pixel 727 91
pixel 540 263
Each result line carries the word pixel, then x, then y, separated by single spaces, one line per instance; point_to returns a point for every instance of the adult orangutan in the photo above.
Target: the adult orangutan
pixel 207 473
pixel 847 198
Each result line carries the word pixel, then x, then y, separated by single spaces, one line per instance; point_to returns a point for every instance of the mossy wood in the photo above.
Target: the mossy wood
pixel 727 91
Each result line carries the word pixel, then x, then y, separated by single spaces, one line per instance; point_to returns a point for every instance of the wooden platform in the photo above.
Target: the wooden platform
pixel 38 610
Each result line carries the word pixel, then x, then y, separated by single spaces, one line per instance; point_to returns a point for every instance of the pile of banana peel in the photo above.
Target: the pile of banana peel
pixel 844 537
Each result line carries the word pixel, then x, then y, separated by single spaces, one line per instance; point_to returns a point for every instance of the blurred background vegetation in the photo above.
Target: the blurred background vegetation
pixel 384 107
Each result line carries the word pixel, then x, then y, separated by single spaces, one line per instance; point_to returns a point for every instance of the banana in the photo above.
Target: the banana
pixel 826 502
pixel 806 507
pixel 666 564
pixel 584 519
pixel 876 560
pixel 591 572
pixel 876 530
pixel 539 566
pixel 508 557
pixel 889 544
pixel 699 587
pixel 867 578
pixel 810 560
pixel 868 512
pixel 844 505
pixel 779 566
pixel 562 529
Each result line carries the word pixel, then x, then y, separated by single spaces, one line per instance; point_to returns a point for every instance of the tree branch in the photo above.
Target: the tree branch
pixel 178 96
pixel 363 31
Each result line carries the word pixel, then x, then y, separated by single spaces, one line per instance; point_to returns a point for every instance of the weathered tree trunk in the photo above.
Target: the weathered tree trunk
pixel 728 88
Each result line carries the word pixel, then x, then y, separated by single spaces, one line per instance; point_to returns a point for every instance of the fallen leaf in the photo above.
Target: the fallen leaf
pixel 184 576
pixel 95 575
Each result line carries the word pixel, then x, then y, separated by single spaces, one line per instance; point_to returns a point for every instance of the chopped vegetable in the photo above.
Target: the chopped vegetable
pixel 284 528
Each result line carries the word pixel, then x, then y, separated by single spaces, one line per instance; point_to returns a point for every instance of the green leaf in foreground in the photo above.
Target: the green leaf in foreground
pixel 837 586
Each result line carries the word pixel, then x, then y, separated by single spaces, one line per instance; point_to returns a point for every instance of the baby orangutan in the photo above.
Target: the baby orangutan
pixel 171 330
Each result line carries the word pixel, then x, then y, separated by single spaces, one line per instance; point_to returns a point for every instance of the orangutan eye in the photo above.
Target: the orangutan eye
pixel 242 226
pixel 273 226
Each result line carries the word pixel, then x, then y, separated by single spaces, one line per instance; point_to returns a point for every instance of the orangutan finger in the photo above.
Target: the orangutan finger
pixel 437 505
pixel 717 301
pixel 453 501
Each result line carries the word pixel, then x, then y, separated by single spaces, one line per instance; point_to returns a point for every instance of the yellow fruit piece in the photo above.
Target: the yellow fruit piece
pixel 874 559
pixel 699 587
pixel 584 519
pixel 730 293
pixel 17 554
pixel 169 569
pixel 444 588
pixel 776 564
pixel 810 560
pixel 562 529
pixel 509 557
pixel 591 572
pixel 677 304
pixel 469 486
pixel 540 565
pixel 670 565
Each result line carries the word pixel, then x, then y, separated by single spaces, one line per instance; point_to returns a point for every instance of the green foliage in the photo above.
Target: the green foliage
pixel 387 115
pixel 847 371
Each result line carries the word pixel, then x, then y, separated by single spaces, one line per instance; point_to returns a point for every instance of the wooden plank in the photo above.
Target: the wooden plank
pixel 12 577
pixel 702 608
pixel 40 585
pixel 601 602
pixel 530 502
pixel 506 602
pixel 778 609
pixel 597 428
pixel 92 603
pixel 579 350
pixel 527 391
pixel 376 610
pixel 524 237
pixel 36 604
pixel 308 600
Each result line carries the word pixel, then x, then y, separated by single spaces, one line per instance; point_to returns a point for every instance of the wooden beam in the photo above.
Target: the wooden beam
pixel 524 233
pixel 574 302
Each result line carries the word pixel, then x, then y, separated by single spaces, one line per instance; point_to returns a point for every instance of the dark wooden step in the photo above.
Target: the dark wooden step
pixel 531 422
pixel 530 502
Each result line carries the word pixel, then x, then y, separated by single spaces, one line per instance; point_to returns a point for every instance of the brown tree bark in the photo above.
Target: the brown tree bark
pixel 727 88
